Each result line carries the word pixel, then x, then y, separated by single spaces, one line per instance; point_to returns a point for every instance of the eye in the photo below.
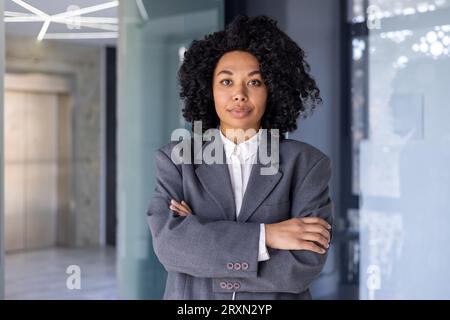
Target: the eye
pixel 226 84
pixel 255 82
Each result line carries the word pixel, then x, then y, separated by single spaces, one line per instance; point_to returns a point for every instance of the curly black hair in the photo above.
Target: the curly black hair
pixel 291 89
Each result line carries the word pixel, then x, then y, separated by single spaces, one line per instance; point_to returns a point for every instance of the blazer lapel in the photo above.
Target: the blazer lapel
pixel 259 186
pixel 216 180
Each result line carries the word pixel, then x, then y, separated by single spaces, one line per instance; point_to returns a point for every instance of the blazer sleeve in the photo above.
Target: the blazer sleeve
pixel 293 271
pixel 191 244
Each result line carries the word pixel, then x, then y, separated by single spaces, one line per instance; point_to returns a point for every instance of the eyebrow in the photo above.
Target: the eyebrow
pixel 231 73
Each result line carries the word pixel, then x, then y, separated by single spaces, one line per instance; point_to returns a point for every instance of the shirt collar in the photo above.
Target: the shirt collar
pixel 246 149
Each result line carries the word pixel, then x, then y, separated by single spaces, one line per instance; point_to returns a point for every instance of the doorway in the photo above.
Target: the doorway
pixel 37 161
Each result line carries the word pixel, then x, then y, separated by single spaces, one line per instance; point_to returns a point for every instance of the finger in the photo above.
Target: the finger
pixel 317 228
pixel 185 209
pixel 187 206
pixel 317 220
pixel 317 237
pixel 179 206
pixel 175 205
pixel 178 212
pixel 310 246
pixel 184 206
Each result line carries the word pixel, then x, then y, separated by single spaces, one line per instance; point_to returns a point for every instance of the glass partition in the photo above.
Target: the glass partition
pixel 401 147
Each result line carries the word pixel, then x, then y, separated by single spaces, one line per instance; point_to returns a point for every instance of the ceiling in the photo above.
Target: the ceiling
pixel 61 30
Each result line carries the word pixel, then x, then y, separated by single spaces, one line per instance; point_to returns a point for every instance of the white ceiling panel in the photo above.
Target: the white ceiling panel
pixel 87 28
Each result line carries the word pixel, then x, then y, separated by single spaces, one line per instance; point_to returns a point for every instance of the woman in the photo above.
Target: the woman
pixel 224 230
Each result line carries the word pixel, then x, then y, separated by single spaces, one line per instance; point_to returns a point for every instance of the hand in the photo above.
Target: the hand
pixel 310 233
pixel 182 209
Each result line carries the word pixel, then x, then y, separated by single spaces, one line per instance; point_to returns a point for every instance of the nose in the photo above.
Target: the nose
pixel 240 97
pixel 240 93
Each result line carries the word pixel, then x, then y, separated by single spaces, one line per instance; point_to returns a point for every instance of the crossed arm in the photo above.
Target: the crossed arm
pixel 308 233
pixel 190 244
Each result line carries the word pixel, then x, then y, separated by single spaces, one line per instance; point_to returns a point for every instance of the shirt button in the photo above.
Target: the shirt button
pixel 237 266
pixel 229 285
pixel 236 285
pixel 230 266
pixel 223 284
pixel 244 265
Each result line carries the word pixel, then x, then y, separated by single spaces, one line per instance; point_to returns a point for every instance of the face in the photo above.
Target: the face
pixel 239 92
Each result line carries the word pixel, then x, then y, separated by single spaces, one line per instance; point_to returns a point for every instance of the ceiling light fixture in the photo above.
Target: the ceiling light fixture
pixel 70 18
pixel 30 8
pixel 79 12
pixel 142 9
pixel 82 35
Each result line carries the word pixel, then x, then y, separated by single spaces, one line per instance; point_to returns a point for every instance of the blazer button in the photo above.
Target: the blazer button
pixel 244 265
pixel 223 284
pixel 236 285
pixel 237 266
pixel 229 285
pixel 230 266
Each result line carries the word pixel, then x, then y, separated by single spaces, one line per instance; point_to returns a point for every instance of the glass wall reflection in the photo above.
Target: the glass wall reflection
pixel 404 151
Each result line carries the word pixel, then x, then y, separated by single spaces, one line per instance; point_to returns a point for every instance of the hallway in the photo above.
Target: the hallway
pixel 41 274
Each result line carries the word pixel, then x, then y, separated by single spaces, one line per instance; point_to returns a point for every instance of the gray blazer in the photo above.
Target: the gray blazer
pixel 210 254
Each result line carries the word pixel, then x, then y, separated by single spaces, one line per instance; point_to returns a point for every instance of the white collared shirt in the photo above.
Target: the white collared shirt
pixel 240 158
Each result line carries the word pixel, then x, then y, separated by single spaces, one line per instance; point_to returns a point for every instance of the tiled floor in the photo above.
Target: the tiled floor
pixel 42 274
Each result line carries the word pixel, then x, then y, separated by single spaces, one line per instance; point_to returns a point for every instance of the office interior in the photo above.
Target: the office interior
pixel 90 93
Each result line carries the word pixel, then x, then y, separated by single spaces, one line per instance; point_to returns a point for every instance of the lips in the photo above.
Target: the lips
pixel 239 112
